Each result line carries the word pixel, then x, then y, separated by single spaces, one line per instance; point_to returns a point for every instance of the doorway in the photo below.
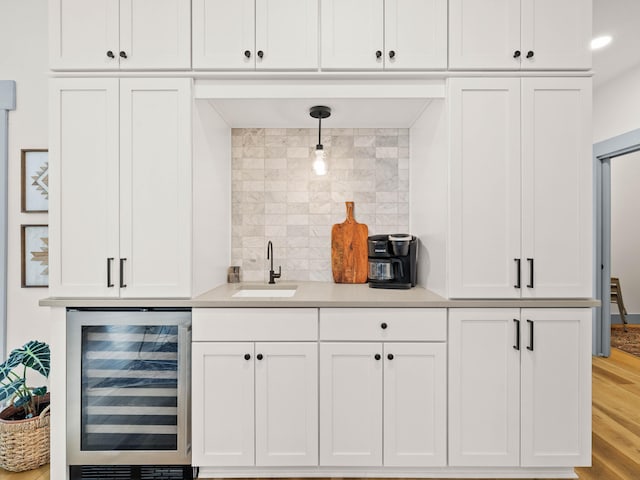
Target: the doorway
pixel 603 153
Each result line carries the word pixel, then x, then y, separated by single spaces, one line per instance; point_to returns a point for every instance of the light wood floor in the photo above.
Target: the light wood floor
pixel 616 423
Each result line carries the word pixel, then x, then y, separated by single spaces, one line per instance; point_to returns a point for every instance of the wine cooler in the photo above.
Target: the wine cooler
pixel 128 387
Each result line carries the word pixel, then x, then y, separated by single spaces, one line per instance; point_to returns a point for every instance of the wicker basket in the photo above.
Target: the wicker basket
pixel 24 444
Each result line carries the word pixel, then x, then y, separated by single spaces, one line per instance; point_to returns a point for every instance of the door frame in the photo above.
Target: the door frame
pixel 7 103
pixel 603 152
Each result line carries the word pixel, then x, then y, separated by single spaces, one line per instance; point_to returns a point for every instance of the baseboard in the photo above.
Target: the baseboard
pixel 632 319
pixel 387 472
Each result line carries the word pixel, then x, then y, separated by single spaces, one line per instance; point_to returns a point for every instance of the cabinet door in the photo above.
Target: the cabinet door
pixel 485 187
pixel 287 34
pixel 484 35
pixel 352 34
pixel 222 404
pixel 350 404
pixel 557 33
pixel 81 33
pixel 155 187
pixel 83 166
pixel 155 34
pixel 484 388
pixel 416 32
pixel 415 410
pixel 556 387
pixel 557 187
pixel 286 404
pixel 223 30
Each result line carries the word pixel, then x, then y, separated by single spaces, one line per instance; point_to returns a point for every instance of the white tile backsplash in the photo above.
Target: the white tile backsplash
pixel 276 196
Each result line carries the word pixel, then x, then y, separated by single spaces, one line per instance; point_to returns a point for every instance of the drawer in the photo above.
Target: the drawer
pixel 384 324
pixel 254 324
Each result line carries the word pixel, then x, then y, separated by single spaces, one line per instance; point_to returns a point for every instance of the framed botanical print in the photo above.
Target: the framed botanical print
pixel 35 180
pixel 35 255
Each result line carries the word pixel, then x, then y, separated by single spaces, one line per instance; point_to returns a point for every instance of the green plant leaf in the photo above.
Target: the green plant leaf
pixel 15 359
pixel 10 389
pixel 20 401
pixel 39 391
pixel 37 356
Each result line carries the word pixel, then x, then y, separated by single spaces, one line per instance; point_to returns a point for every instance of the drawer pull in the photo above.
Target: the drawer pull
pixel 383 326
pixel 377 356
pixel 259 356
pixel 390 356
pixel 247 356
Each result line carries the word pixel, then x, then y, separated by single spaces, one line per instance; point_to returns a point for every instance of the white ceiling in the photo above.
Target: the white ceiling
pixel 621 20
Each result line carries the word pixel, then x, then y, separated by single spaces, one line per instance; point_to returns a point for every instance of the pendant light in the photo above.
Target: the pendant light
pixel 320 163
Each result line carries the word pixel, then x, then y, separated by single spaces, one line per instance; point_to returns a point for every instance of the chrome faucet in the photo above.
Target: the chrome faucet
pixel 272 274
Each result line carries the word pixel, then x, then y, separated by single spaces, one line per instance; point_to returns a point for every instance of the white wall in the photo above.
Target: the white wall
pixel 616 110
pixel 23 43
pixel 616 106
pixel 625 228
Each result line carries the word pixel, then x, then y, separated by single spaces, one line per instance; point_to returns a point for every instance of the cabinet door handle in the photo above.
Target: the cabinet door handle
pixel 530 284
pixel 516 54
pixel 377 356
pixel 260 53
pixel 390 356
pixel 530 346
pixel 122 284
pixel 110 54
pixel 247 53
pixel 109 265
pixel 383 326
pixel 123 54
pixel 517 345
pixel 392 53
pixel 518 272
pixel 378 53
pixel 247 356
pixel 259 356
pixel 530 54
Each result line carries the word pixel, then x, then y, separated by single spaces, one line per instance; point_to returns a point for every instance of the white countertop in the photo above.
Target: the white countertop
pixel 319 294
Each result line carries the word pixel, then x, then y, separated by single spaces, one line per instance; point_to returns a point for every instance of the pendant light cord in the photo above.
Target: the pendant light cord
pixel 319 129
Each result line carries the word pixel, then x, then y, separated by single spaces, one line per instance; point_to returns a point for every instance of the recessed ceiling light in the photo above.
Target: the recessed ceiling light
pixel 600 42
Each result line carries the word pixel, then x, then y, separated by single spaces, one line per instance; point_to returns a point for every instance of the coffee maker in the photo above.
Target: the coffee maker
pixel 392 261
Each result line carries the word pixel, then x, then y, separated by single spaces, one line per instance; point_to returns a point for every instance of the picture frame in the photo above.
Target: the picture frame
pixel 34 241
pixel 34 180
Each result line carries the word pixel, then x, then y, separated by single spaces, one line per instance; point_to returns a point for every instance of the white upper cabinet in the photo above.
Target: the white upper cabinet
pixel 520 203
pixel 119 35
pixel 83 168
pixel 390 35
pixel 255 34
pixel 485 191
pixel 120 156
pixel 415 34
pixel 520 34
pixel 557 196
pixel 155 187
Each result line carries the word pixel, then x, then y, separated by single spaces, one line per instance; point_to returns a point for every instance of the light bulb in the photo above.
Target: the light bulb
pixel 600 42
pixel 319 164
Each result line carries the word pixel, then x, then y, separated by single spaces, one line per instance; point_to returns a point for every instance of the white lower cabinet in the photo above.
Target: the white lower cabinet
pixel 383 404
pixel 519 387
pixel 276 382
pixel 351 404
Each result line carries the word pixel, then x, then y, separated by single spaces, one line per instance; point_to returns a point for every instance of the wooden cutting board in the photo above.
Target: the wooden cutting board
pixel 349 253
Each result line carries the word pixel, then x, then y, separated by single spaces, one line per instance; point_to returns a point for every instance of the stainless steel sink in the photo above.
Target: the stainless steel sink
pixel 265 291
